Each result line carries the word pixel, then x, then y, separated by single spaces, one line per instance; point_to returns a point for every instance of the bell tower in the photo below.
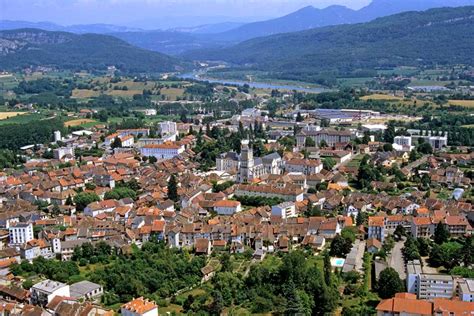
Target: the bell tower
pixel 246 162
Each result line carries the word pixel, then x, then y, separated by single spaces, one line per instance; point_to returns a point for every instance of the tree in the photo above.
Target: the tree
pixel 425 148
pixel 448 254
pixel 389 133
pixel 69 200
pixel 83 199
pixel 120 193
pixel 173 189
pixel 441 234
pixel 387 147
pixel 360 218
pixel 340 246
pixel 410 249
pixel 328 163
pixel 299 117
pixel 309 142
pixel 323 144
pixel 389 283
pixel 117 143
pixel 327 269
pixel 399 232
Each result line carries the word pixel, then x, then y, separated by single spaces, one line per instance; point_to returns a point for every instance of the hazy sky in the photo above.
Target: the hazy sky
pixel 69 12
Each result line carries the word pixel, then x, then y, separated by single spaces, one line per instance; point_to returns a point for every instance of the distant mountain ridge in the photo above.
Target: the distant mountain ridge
pixel 436 36
pixel 310 17
pixel 32 47
pixel 79 28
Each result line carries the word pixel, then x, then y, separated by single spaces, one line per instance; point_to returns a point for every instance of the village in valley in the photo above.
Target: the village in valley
pixel 195 202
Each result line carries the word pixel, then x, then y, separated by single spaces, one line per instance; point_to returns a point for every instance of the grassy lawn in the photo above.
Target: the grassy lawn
pixel 170 309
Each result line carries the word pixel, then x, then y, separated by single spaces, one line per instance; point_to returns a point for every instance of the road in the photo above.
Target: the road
pixel 395 260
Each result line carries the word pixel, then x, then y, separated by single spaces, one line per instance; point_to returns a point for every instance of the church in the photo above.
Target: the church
pixel 246 166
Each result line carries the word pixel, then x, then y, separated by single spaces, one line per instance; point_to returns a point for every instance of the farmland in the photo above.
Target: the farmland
pixel 465 103
pixel 7 115
pixel 80 122
pixel 384 97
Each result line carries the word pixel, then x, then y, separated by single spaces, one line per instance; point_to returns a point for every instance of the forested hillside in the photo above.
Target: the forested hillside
pixel 33 47
pixel 437 36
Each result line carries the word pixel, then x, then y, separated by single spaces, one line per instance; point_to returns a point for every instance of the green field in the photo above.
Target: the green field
pixel 22 119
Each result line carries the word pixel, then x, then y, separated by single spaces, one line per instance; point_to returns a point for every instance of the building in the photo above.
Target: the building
pixel 59 153
pixel 162 151
pixel 43 292
pixel 57 136
pixel 251 168
pixel 139 307
pixel 304 166
pixel 284 210
pixel 330 136
pixel 404 304
pixel 168 128
pixel 429 286
pixel 402 143
pixel 465 290
pixel 228 162
pixel 376 227
pixel 20 233
pixel 86 290
pixel 227 207
pixel 127 141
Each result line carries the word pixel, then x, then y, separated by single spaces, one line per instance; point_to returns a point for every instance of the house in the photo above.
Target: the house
pixel 404 304
pixel 167 150
pixel 20 233
pixel 86 290
pixel 376 227
pixel 284 210
pixel 373 245
pixel 139 307
pixel 202 246
pixel 304 166
pixel 43 292
pixel 227 207
pixel 422 227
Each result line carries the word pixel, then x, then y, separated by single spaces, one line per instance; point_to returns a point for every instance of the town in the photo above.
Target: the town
pixel 185 215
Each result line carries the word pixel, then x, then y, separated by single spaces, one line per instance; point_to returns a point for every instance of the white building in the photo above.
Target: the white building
pixel 168 127
pixel 59 153
pixel 139 307
pixel 127 141
pixel 284 210
pixel 466 290
pixel 304 166
pixel 43 292
pixel 329 136
pixel 402 143
pixel 86 290
pixel 227 207
pixel 57 136
pixel 162 151
pixel 429 286
pixel 20 233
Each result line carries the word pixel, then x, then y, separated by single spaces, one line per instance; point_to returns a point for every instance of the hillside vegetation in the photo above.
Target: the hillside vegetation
pixel 437 36
pixel 33 47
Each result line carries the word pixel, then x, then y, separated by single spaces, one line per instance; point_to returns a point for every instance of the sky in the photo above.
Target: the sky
pixel 136 12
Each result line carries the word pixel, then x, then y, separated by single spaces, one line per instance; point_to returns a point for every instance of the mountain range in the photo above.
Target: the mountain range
pixel 436 36
pixel 33 47
pixel 217 34
pixel 310 17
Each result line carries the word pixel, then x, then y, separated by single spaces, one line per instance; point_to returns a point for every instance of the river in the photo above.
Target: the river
pixel 258 85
